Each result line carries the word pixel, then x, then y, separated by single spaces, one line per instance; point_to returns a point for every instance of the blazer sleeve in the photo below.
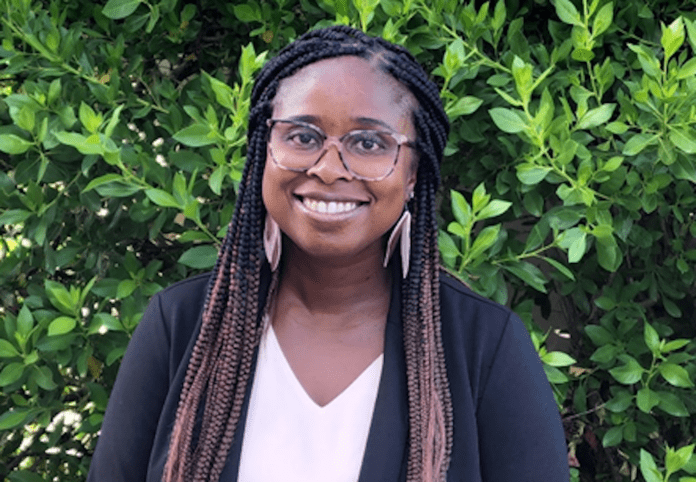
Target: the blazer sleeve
pixel 520 432
pixel 123 450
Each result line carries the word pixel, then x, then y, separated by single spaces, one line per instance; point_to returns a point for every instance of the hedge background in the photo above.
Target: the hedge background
pixel 569 194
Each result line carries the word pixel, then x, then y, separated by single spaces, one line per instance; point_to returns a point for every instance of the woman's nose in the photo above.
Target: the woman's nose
pixel 330 166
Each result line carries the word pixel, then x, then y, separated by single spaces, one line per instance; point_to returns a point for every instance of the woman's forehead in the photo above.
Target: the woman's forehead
pixel 349 85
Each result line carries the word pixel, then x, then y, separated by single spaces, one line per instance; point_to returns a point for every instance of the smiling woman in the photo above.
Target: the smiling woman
pixel 312 352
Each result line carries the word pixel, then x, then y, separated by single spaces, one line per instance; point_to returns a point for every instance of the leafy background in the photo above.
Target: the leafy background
pixel 568 194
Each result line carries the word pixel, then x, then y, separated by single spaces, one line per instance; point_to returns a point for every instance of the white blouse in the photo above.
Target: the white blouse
pixel 289 438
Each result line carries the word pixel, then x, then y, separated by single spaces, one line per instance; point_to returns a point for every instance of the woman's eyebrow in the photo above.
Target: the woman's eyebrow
pixel 376 122
pixel 315 120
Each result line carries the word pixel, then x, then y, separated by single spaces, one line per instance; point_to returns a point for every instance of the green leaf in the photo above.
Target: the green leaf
pixel 54 90
pixel 560 267
pixel 675 345
pixel 223 92
pixel 13 418
pixel 603 19
pixel 61 326
pixel 494 208
pixel 617 127
pixel 672 404
pixel 646 399
pixel 105 321
pixel 673 37
pixel 161 198
pixel 12 144
pixel 448 249
pixel 675 460
pixel 24 476
pixel 531 174
pixel 485 239
pixel 528 273
pixel 599 335
pixel 605 354
pixel 44 378
pixel 245 13
pixel 11 373
pixel 684 140
pixel 688 70
pixel 613 164
pixel 26 118
pixel 113 120
pixel 454 56
pixel 59 297
pixel 461 209
pixel 648 61
pixel 200 257
pixel 106 178
pixel 675 375
pixel 125 288
pixel 90 120
pixel 508 120
pixel 116 9
pixel 195 135
pixel 7 349
pixel 628 373
pixel 639 142
pixel 14 216
pixel 613 437
pixel 85 145
pixel 596 117
pixel 652 339
pixel 608 253
pixel 575 241
pixel 554 375
pixel 558 359
pixel 648 467
pixel 567 12
pixel 620 402
pixel 464 106
pixel 25 321
pixel 606 303
pixel 479 198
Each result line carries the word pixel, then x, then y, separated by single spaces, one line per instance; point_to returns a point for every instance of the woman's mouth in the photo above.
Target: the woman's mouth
pixel 329 207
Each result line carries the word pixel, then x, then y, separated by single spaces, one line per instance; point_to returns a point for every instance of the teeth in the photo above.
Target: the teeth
pixel 332 207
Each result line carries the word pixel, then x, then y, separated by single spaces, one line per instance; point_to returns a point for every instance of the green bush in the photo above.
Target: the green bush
pixel 569 194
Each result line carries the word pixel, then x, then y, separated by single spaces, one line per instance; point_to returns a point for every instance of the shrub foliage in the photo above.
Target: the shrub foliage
pixel 569 194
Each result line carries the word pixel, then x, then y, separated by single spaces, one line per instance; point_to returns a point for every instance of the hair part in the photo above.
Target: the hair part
pixel 220 367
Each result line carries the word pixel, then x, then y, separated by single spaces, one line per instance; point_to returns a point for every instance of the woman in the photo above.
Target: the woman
pixel 312 352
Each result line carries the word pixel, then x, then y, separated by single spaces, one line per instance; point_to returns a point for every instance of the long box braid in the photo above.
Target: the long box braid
pixel 220 367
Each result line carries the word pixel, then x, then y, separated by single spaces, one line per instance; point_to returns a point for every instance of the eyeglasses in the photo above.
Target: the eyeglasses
pixel 369 155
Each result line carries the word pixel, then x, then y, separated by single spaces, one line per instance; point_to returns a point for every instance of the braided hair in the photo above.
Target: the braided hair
pixel 220 366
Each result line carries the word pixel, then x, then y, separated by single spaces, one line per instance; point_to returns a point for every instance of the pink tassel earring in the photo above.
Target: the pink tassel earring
pixel 402 230
pixel 272 242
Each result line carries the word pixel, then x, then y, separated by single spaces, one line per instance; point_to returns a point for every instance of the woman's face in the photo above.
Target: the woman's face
pixel 340 95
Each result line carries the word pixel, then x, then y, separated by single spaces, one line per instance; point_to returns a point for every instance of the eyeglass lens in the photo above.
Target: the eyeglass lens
pixel 367 153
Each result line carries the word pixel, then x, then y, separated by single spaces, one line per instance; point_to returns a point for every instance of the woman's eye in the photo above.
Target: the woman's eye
pixel 368 144
pixel 304 139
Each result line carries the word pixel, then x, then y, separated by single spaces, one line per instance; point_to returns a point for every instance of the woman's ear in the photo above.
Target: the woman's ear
pixel 411 181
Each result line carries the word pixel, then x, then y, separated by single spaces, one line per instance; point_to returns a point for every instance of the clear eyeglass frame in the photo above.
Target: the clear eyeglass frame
pixel 337 141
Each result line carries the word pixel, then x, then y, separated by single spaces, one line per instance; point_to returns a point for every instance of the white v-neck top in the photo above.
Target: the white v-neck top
pixel 289 438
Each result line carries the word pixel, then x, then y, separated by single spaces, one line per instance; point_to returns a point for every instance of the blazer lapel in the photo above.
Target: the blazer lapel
pixel 385 452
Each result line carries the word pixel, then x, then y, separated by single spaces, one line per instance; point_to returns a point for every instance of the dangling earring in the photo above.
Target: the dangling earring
pixel 272 242
pixel 402 229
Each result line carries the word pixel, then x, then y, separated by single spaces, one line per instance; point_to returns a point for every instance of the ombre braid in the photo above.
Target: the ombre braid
pixel 219 370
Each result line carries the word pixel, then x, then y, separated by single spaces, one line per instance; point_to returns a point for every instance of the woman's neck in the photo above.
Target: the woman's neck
pixel 334 292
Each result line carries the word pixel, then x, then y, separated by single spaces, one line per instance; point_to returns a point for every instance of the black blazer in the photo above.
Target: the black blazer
pixel 506 423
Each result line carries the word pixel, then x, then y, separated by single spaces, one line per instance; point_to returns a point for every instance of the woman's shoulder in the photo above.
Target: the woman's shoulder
pixel 186 288
pixel 178 307
pixel 454 291
pixel 470 320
